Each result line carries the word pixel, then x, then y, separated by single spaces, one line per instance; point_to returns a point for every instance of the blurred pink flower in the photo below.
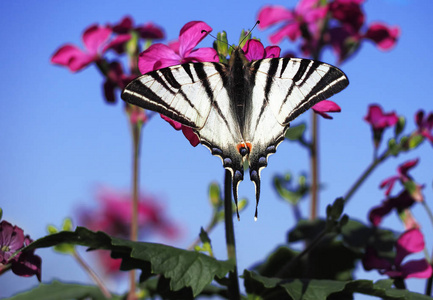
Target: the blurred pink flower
pixel 187 131
pixel 23 264
pixel 411 241
pixel 385 37
pixel 403 176
pixel 95 38
pixel 325 106
pixel 116 79
pixel 306 15
pixel 348 12
pixel 113 216
pixel 401 202
pixel 425 125
pixel 254 50
pixel 379 121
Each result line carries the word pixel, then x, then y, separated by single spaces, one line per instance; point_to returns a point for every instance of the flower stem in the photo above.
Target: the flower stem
pixel 92 274
pixel 136 131
pixel 314 162
pixel 233 283
pixel 364 175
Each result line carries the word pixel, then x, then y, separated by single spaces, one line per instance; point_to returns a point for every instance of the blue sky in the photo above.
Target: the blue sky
pixel 59 140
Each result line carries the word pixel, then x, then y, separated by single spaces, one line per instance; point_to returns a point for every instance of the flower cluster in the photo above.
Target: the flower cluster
pixel 337 23
pixel 113 216
pixel 98 39
pixel 12 239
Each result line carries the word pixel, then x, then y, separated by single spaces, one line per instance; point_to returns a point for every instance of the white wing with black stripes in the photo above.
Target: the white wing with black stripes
pixel 240 111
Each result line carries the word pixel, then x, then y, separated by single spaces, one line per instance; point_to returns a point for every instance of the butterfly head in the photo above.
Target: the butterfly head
pixel 244 149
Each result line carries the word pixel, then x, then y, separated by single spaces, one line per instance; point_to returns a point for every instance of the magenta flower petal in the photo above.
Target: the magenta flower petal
pixel 272 52
pixel 201 55
pixel 124 26
pixel 380 120
pixel 72 57
pixel 95 36
pixel 190 35
pixel 190 135
pixel 416 269
pixel 156 57
pixel 291 30
pixel 325 106
pixel 377 213
pixel 174 124
pixel 371 261
pixel 11 240
pixel 270 15
pixel 383 36
pixel 254 50
pixel 150 31
pixel 411 241
pixel 117 44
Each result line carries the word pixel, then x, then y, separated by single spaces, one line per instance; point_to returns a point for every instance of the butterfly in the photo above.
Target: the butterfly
pixel 240 110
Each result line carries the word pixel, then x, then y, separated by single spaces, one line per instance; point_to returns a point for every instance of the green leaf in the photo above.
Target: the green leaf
pixel 58 290
pixel 296 132
pixel 183 268
pixel 312 289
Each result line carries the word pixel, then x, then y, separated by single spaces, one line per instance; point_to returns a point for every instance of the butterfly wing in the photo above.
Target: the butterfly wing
pixel 282 89
pixel 195 95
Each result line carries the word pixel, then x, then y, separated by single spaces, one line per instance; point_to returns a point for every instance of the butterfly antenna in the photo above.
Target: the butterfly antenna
pixel 249 31
pixel 205 31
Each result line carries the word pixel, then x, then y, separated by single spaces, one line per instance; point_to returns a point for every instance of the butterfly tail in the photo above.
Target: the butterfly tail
pixel 255 177
pixel 237 177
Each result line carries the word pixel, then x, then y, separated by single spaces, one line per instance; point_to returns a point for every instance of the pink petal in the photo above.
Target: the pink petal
pixel 272 52
pixel 124 26
pixel 291 30
pixel 416 269
pixel 404 168
pixel 202 55
pixel 174 45
pixel 325 106
pixel 378 119
pixel 377 213
pixel 190 135
pixel 156 57
pixel 117 43
pixel 411 241
pixel 190 35
pixel 72 57
pixel 254 50
pixel 176 125
pixel 95 36
pixel 270 15
pixel 384 36
pixel 150 31
pixel 372 261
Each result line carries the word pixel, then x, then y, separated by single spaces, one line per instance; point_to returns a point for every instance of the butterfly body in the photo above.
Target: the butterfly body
pixel 240 110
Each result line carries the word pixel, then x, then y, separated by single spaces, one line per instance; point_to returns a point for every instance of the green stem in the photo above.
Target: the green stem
pixel 136 131
pixel 233 283
pixel 314 161
pixel 92 274
pixel 364 175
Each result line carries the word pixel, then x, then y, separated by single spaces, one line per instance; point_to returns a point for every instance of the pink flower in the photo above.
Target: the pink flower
pixel 348 12
pixel 159 56
pixel 124 29
pixel 403 201
pixel 325 106
pixel 403 176
pixel 94 39
pixel 411 241
pixel 379 121
pixel 383 36
pixel 113 216
pixel 254 50
pixel 306 15
pixel 12 239
pixel 425 125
